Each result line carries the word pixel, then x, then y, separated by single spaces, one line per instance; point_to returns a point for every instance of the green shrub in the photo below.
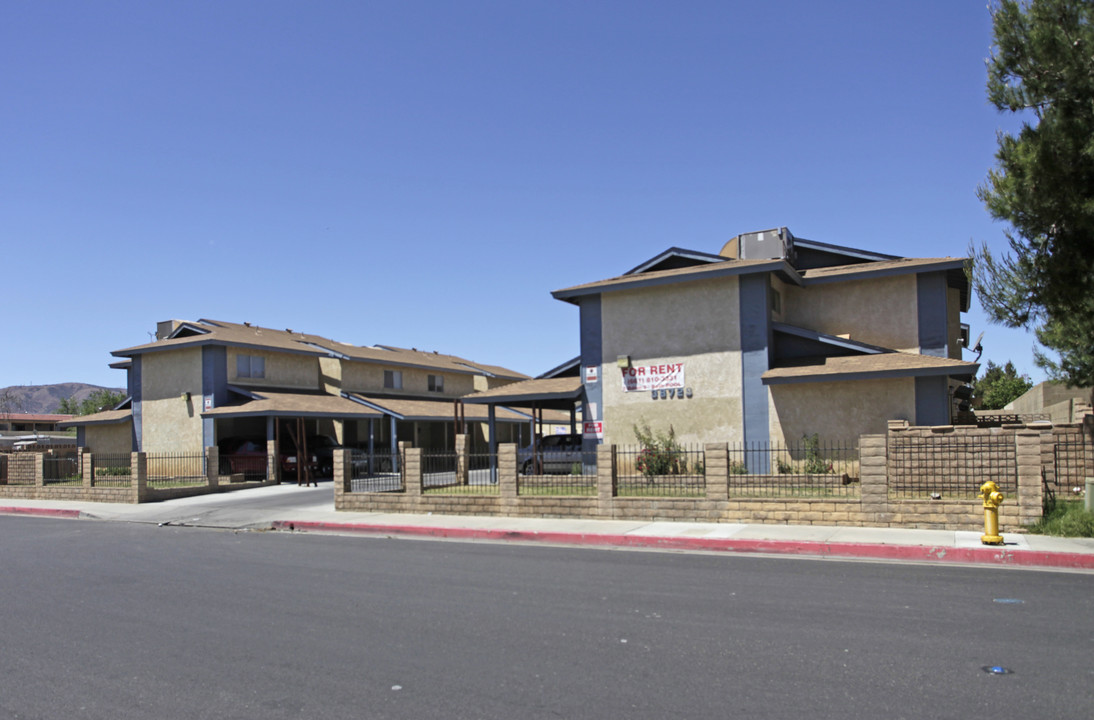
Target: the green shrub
pixel 1068 519
pixel 661 454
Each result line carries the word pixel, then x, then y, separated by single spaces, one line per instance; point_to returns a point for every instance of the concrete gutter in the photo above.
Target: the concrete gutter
pixel 849 550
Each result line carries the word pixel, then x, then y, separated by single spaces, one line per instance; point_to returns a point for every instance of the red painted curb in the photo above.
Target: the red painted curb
pixel 874 551
pixel 40 512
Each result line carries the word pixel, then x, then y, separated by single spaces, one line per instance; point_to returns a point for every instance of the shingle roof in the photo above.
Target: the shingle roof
pixel 219 332
pixel 435 410
pixel 861 367
pixel 528 391
pixel 293 404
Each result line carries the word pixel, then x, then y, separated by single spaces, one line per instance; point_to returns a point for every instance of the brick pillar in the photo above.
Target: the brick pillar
pixel 717 468
pixel 874 478
pixel 605 479
pixel 87 471
pixel 138 476
pixel 343 475
pixel 462 460
pixel 212 466
pixel 1027 451
pixel 507 471
pixel 412 469
pixel 273 463
pixel 39 469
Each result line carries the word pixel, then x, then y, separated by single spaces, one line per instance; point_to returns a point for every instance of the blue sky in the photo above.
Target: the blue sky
pixel 423 174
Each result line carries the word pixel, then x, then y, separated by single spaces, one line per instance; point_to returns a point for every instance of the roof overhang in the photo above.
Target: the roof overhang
pixel 868 367
pixel 726 268
pixel 880 269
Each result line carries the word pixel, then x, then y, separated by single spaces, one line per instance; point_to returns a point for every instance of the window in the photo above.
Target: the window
pixel 776 301
pixel 250 366
pixel 393 379
pixel 436 383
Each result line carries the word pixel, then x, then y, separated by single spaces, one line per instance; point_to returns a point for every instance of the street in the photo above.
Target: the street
pixel 122 620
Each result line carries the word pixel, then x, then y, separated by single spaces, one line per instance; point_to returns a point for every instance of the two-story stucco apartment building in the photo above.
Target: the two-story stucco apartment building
pixel 771 339
pixel 203 381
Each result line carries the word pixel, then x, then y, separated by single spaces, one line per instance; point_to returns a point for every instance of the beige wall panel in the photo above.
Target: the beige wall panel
pixel 283 370
pixel 112 438
pixel 330 375
pixel 839 411
pixel 362 377
pixel 694 323
pixel 170 422
pixel 369 378
pixel 881 312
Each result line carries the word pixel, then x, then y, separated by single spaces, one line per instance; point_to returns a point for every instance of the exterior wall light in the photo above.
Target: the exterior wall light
pixel 623 361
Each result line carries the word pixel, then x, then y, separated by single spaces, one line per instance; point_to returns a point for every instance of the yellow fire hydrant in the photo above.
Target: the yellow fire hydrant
pixel 989 493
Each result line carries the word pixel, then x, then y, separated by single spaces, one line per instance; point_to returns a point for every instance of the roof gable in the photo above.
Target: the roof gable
pixel 675 258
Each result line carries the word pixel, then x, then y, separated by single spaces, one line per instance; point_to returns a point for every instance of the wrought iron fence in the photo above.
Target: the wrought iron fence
pixel 1069 468
pixel 111 469
pixel 809 468
pixel 443 472
pixel 376 471
pixel 61 468
pixel 674 471
pixel 556 472
pixel 169 470
pixel 940 466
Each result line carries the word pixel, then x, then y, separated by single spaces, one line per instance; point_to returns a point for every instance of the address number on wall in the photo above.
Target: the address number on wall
pixel 670 393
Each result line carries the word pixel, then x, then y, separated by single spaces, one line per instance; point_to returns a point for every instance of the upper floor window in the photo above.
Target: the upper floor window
pixel 393 379
pixel 436 383
pixel 250 366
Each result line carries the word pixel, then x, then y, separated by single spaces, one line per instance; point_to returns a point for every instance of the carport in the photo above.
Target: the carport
pixel 558 393
pixel 434 424
pixel 258 413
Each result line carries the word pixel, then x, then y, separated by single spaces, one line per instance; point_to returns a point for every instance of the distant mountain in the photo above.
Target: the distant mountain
pixel 45 399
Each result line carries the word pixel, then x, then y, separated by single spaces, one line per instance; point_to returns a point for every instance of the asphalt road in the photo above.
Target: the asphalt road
pixel 115 620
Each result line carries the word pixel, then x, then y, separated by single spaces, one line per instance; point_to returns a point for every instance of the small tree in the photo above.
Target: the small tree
pixel 998 386
pixel 98 401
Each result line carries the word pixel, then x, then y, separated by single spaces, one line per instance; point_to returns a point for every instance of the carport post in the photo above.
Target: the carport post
pixel 394 446
pixel 492 425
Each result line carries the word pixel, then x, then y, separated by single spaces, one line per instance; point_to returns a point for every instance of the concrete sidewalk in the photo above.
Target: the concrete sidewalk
pixel 292 509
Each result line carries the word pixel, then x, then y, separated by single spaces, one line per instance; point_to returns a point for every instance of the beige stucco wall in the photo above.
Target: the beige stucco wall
pixel 839 411
pixel 171 422
pixel 283 370
pixel 369 378
pixel 880 311
pixel 109 438
pixel 694 323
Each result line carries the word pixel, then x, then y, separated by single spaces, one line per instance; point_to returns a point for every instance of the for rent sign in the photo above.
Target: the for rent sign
pixel 653 377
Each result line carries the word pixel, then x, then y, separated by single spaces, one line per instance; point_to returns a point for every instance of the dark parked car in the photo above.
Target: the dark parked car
pixel 554 454
pixel 248 456
pixel 242 455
